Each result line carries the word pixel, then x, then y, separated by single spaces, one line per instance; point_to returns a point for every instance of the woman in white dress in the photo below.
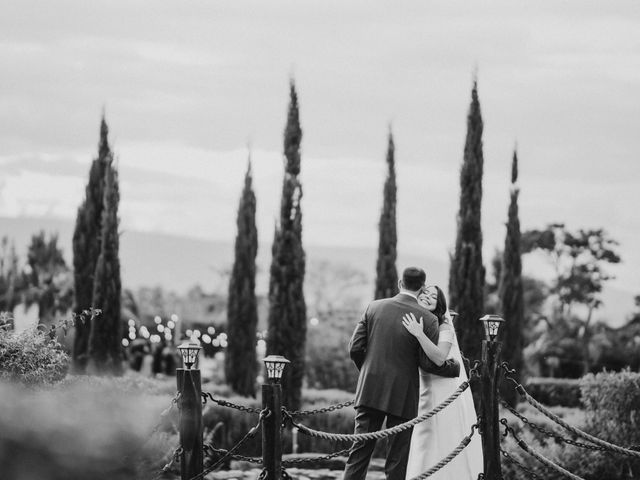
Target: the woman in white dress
pixel 433 439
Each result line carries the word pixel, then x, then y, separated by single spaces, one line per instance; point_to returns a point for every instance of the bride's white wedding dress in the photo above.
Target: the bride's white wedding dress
pixel 433 439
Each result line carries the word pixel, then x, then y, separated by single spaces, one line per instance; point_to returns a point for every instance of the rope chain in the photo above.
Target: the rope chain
pixel 300 461
pixel 549 433
pixel 302 413
pixel 545 461
pixel 207 447
pixel 454 453
pixel 224 403
pixel 175 458
pixel 356 437
pixel 515 461
pixel 577 432
pixel 251 433
pixel 167 411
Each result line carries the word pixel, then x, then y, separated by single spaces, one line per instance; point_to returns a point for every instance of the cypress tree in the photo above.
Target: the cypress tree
pixel 511 290
pixel 466 274
pixel 86 245
pixel 386 273
pixel 287 321
pixel 242 311
pixel 105 348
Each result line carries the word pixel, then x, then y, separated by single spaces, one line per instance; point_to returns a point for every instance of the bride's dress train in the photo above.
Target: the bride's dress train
pixel 433 439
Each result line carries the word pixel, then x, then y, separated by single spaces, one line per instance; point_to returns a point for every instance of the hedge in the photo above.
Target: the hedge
pixel 564 392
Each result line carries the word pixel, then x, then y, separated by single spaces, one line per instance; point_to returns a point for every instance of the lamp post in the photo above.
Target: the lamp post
pixel 271 424
pixel 190 389
pixel 489 374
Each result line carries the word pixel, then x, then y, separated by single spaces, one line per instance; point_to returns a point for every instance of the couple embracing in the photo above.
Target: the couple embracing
pixel 406 350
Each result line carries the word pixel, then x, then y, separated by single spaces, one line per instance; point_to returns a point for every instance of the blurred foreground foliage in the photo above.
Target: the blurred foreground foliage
pixel 86 427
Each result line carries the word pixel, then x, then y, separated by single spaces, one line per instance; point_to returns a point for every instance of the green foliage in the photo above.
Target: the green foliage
pixel 31 357
pixel 287 319
pixel 86 244
pixel 466 273
pixel 242 311
pixel 563 392
pixel 386 271
pixel 105 347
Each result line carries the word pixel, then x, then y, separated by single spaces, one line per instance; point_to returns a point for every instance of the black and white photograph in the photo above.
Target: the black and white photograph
pixel 319 240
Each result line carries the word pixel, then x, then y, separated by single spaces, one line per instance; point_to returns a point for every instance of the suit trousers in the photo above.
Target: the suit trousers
pixel 370 420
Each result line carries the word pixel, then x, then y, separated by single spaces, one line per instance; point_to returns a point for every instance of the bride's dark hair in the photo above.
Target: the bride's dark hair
pixel 441 305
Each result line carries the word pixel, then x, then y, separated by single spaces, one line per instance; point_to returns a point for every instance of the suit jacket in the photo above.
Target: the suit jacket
pixel 388 356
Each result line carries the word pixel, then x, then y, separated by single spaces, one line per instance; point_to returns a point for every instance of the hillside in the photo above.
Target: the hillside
pixel 180 262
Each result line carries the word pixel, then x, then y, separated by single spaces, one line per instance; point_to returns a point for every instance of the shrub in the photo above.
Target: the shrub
pixel 611 412
pixel 552 392
pixel 31 357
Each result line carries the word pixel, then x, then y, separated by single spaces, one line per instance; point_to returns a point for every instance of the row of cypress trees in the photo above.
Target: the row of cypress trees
pixel 97 268
pixel 96 263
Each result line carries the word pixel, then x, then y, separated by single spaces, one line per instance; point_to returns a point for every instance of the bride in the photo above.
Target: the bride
pixel 433 439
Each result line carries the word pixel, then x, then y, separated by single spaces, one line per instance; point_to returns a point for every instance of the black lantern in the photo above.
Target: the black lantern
pixel 189 352
pixel 491 326
pixel 275 366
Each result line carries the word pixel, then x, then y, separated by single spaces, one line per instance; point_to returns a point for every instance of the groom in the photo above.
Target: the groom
pixel 388 357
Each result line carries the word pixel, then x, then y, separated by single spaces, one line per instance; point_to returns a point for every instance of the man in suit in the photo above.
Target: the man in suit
pixel 388 357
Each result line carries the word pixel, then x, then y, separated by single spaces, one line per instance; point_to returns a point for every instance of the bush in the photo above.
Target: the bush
pixel 31 357
pixel 612 403
pixel 564 392
pixel 611 413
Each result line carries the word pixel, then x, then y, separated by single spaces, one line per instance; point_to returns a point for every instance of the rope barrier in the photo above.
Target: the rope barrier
pixel 454 453
pixel 513 460
pixel 251 433
pixel 224 403
pixel 207 447
pixel 302 413
pixel 356 437
pixel 550 415
pixel 300 461
pixel 549 433
pixel 545 461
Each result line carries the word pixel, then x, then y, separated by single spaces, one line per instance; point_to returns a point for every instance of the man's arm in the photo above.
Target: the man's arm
pixel 358 342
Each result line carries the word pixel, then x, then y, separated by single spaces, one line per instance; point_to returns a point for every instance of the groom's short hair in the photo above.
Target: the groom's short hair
pixel 413 278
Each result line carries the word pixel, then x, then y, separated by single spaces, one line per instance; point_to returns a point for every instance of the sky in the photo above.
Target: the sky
pixel 191 89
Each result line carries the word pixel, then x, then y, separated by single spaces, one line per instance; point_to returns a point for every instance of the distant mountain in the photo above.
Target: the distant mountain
pixel 178 263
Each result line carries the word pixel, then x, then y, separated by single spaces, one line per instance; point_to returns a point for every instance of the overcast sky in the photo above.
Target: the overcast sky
pixel 186 86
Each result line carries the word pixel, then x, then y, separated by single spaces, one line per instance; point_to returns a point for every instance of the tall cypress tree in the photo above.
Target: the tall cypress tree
pixel 510 289
pixel 287 322
pixel 105 348
pixel 386 272
pixel 242 311
pixel 86 245
pixel 466 274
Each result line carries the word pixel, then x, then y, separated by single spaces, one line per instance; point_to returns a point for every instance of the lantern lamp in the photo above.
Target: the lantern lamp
pixel 275 366
pixel 189 352
pixel 491 326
